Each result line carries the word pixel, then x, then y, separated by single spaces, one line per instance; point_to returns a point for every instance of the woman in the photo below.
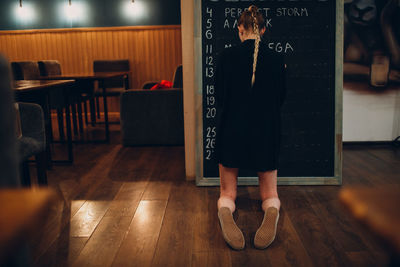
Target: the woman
pixel 250 88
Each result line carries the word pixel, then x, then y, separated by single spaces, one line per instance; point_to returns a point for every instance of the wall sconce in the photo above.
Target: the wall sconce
pixel 70 13
pixel 74 12
pixel 25 13
pixel 133 10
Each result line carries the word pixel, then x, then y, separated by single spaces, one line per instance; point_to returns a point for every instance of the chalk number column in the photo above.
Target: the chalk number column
pixel 209 103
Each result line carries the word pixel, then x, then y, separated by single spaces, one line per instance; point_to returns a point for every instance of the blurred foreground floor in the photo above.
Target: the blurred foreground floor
pixel 132 207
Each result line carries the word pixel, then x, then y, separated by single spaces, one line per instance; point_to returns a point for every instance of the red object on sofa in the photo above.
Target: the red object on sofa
pixel 162 85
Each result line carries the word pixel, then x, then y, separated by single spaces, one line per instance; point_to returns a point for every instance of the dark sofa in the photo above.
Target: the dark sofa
pixel 152 117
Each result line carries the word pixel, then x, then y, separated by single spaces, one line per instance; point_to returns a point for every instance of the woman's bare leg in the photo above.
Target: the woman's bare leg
pixel 226 206
pixel 266 233
pixel 268 188
pixel 228 187
pixel 228 181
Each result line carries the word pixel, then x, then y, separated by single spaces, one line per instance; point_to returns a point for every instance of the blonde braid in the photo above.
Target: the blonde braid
pixel 256 44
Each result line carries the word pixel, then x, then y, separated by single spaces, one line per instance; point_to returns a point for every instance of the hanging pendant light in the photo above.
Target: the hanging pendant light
pixel 20 3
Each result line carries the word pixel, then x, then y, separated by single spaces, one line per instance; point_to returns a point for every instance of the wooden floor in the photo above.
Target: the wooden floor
pixel 132 207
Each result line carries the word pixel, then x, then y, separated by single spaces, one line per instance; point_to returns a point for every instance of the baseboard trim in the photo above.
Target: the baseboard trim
pixel 368 143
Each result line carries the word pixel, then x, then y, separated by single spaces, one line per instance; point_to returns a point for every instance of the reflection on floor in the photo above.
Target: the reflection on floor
pixel 132 207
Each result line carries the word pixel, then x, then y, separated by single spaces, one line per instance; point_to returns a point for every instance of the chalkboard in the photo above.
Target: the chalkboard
pixel 305 31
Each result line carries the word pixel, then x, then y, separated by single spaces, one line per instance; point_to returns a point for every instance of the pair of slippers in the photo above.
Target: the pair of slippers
pixel 264 236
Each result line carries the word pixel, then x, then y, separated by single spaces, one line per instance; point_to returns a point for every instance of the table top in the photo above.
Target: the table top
pixel 22 213
pixel 89 76
pixel 33 85
pixel 378 208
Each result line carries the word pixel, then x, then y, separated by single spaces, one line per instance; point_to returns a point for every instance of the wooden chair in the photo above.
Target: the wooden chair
pixel 50 68
pixel 25 70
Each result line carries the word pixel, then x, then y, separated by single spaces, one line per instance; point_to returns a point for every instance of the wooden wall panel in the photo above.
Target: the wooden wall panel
pixel 153 51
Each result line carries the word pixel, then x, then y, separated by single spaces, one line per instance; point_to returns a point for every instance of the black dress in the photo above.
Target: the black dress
pixel 249 118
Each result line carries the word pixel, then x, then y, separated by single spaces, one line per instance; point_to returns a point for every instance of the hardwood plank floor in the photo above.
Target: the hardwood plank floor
pixel 131 206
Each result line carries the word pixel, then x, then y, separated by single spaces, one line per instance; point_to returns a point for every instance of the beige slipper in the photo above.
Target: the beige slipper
pixel 267 231
pixel 231 233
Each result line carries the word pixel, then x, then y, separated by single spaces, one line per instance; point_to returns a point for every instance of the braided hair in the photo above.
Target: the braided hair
pixel 252 19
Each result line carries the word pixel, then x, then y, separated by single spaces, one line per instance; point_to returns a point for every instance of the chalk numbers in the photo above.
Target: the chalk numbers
pixel 210 89
pixel 210 142
pixel 210 110
pixel 209 49
pixel 211 133
pixel 209 60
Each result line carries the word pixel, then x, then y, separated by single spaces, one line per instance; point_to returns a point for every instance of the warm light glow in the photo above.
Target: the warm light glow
pixel 134 9
pixel 142 214
pixel 25 13
pixel 74 11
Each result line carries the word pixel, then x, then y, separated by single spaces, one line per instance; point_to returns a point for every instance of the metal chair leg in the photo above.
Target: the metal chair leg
pixel 86 112
pixel 74 120
pixel 98 107
pixel 25 176
pixel 92 111
pixel 41 168
pixel 60 119
pixel 80 120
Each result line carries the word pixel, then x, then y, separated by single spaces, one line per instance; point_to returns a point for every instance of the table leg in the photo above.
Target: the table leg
pixel 68 99
pixel 98 107
pixel 105 113
pixel 80 121
pixel 41 168
pixel 60 120
pixel 74 120
pixel 92 108
pixel 48 130
pixel 69 133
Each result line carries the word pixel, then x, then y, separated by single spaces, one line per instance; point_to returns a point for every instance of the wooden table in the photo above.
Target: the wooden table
pixel 100 77
pixel 35 85
pixel 379 209
pixel 37 91
pixel 22 213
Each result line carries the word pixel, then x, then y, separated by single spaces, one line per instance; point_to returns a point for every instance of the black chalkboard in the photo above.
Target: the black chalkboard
pixel 305 31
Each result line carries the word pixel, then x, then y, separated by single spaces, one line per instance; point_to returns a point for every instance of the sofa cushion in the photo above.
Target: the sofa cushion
pixel 152 117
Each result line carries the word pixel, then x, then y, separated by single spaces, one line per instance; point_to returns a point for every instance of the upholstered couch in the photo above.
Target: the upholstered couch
pixel 152 117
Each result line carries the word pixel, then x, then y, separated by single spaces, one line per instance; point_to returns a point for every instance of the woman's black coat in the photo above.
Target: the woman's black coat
pixel 249 118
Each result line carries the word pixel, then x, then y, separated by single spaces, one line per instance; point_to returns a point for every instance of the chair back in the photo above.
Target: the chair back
pixel 113 66
pixel 8 149
pixel 49 67
pixel 178 78
pixel 25 70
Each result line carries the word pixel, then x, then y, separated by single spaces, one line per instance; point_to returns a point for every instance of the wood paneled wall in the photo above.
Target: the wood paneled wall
pixel 153 51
